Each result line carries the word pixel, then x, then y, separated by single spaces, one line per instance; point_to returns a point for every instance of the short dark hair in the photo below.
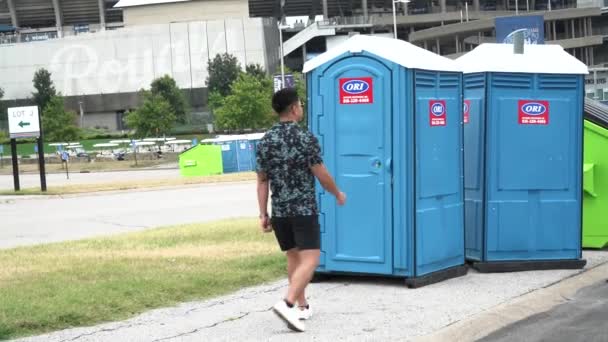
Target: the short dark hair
pixel 283 99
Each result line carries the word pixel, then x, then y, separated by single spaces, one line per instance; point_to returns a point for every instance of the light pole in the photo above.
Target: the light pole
pixel 395 14
pixel 281 27
pixel 81 114
pixel 281 42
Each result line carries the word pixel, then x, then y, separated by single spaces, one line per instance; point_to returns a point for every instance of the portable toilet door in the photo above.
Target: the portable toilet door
pixel 229 155
pixel 359 154
pixel 523 152
pixel 438 173
pixel 361 110
pixel 244 155
pixel 254 140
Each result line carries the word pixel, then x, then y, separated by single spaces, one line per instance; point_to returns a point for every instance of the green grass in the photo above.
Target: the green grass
pixel 58 286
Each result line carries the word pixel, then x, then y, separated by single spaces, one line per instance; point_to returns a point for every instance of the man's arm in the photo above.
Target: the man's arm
pixel 327 181
pixel 263 199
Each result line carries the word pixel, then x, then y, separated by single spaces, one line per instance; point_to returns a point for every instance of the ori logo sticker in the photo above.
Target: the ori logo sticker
pixel 355 87
pixel 356 90
pixel 466 110
pixel 533 112
pixel 437 113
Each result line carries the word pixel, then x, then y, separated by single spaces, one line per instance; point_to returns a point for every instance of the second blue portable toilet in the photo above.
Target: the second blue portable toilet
pixel 254 140
pixel 523 157
pixel 237 153
pixel 245 154
pixel 388 116
pixel 229 154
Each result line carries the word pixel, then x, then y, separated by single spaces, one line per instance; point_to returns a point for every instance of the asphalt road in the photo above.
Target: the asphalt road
pixel 584 318
pixel 34 220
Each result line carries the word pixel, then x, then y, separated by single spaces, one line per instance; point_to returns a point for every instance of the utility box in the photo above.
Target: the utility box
pixel 595 177
pixel 201 160
pixel 523 156
pixel 388 116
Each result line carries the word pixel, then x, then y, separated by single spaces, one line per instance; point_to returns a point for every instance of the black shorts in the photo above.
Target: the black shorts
pixel 302 232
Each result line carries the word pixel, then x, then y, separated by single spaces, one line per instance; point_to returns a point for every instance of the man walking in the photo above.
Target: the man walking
pixel 288 159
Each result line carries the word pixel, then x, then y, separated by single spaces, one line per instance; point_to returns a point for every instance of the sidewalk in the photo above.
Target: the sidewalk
pixel 353 309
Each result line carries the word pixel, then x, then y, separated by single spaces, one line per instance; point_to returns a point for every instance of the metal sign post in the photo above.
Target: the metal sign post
pixel 15 164
pixel 24 122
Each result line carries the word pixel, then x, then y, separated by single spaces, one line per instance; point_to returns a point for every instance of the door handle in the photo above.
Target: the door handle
pixel 376 165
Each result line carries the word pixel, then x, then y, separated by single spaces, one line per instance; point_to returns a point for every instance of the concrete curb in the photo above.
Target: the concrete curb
pixel 502 315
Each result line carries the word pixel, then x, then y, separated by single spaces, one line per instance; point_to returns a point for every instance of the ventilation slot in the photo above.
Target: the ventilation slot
pixel 557 82
pixel 474 81
pixel 449 80
pixel 426 79
pixel 512 81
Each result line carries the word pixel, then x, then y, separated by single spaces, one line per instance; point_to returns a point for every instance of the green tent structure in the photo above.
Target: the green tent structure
pixel 595 176
pixel 201 160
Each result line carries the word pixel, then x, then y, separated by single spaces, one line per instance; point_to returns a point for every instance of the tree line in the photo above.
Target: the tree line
pixel 237 98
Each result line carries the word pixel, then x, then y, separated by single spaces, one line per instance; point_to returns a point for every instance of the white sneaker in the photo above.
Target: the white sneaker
pixel 289 315
pixel 305 313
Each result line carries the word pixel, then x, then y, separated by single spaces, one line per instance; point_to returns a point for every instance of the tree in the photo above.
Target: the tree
pixel 248 105
pixel 167 88
pixel 300 85
pixel 45 90
pixel 259 72
pixel 256 70
pixel 155 117
pixel 223 71
pixel 57 123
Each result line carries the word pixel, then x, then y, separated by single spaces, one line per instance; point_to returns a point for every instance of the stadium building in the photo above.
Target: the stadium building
pixel 102 52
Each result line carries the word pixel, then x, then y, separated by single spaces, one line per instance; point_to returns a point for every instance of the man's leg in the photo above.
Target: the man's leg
pixel 308 262
pixel 293 261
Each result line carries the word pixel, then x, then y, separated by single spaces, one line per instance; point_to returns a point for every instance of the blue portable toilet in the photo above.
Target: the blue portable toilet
pixel 245 154
pixel 229 153
pixel 388 116
pixel 254 140
pixel 523 157
pixel 237 153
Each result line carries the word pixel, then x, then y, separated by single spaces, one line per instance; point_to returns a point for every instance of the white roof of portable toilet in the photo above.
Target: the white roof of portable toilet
pixel 226 138
pixel 394 50
pixel 536 59
pixel 255 136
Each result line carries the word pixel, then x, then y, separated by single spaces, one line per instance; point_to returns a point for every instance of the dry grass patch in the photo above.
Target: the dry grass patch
pixel 63 285
pixel 79 167
pixel 143 184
